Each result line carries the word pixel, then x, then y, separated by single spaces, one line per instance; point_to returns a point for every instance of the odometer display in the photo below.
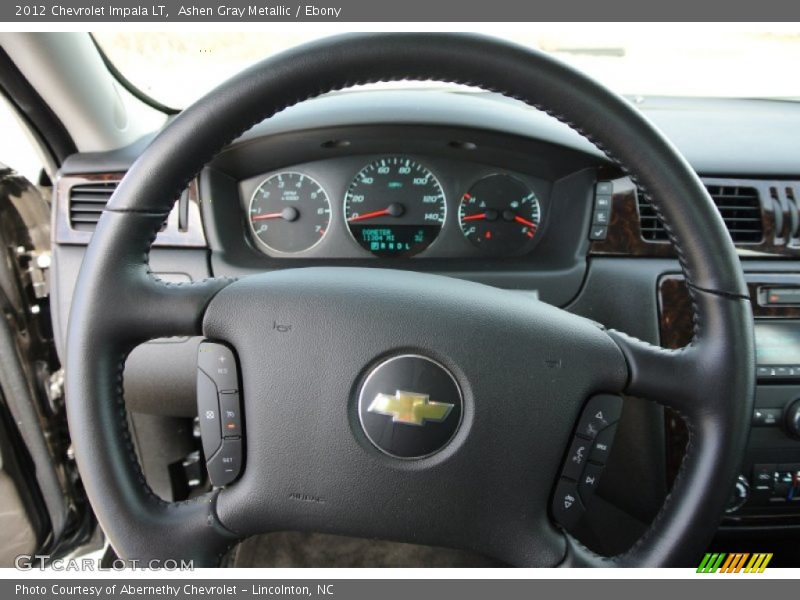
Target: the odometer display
pixel 395 207
pixel 289 212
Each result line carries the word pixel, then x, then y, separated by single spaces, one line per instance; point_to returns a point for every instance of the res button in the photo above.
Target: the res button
pixel 218 362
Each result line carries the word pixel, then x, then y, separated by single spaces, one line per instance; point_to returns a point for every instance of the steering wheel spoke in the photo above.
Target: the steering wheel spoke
pixel 683 379
pixel 659 374
pixel 130 304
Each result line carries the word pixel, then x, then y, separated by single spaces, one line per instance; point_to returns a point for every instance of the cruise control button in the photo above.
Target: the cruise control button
pixel 218 362
pixel 600 412
pixel 229 414
pixel 225 465
pixel 589 481
pixel 602 445
pixel 208 414
pixel 567 505
pixel 576 458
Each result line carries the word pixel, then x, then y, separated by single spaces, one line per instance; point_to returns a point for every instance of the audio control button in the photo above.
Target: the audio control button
pixel 567 506
pixel 576 458
pixel 602 445
pixel 600 412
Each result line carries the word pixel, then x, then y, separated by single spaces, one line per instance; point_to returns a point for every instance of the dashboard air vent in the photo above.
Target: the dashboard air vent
pixel 86 203
pixel 739 206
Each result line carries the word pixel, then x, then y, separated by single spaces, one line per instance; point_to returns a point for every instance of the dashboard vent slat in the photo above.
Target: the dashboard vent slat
pixel 87 202
pixel 739 206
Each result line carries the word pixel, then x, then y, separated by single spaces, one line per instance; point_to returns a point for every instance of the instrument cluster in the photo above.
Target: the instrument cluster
pixel 393 206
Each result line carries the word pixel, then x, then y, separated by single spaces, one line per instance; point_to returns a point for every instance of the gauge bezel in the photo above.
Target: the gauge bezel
pixel 266 248
pixel 528 245
pixel 372 162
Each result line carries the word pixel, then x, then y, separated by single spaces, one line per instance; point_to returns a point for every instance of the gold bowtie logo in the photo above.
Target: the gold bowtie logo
pixel 410 408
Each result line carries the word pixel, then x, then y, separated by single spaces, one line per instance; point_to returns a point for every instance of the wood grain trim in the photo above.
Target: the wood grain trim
pixel 625 236
pixel 675 307
pixel 675 331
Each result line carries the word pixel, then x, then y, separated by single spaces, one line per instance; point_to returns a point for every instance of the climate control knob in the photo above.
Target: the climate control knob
pixel 741 492
pixel 792 419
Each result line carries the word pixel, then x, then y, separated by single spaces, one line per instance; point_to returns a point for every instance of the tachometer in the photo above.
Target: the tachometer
pixel 500 214
pixel 395 207
pixel 289 212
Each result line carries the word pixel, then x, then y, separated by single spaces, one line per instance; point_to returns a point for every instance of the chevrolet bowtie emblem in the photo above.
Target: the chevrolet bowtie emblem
pixel 409 408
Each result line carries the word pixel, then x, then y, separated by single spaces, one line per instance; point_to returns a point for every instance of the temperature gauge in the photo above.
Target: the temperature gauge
pixel 500 215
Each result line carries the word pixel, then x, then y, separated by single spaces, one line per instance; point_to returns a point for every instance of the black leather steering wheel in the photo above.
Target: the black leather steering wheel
pixel 489 489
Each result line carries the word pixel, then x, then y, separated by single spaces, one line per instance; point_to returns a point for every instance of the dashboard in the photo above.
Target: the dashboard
pixel 478 187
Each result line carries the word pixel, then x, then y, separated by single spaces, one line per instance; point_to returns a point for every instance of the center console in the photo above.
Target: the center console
pixel 768 489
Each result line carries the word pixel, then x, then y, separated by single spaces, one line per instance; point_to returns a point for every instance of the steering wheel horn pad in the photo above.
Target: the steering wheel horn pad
pixel 524 368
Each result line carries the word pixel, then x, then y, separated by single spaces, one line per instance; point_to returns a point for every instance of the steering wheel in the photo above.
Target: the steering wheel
pixel 308 463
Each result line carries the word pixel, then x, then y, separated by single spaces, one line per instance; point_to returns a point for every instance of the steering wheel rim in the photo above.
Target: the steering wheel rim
pixel 119 304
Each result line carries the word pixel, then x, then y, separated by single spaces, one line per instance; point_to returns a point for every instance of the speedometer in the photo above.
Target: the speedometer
pixel 395 207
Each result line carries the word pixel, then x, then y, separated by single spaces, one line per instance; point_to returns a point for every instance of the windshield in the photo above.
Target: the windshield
pixel 630 58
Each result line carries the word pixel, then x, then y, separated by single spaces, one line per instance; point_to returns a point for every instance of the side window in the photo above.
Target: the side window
pixel 18 149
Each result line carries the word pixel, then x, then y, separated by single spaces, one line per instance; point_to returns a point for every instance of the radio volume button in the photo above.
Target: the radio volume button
pixel 792 419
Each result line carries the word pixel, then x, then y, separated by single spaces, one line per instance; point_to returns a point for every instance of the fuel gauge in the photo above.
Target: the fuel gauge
pixel 500 215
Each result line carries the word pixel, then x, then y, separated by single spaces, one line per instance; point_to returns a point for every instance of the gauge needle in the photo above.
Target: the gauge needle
pixel 369 215
pixel 290 213
pixel 475 217
pixel 393 210
pixel 266 216
pixel 519 219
